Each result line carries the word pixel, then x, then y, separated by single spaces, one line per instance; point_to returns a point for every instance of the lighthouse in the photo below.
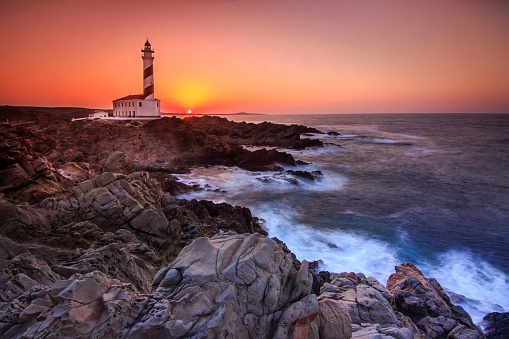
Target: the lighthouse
pixel 148 72
pixel 142 106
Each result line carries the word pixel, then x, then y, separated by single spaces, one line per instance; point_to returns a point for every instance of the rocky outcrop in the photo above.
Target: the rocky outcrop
pixel 84 306
pixel 496 325
pixel 234 286
pixel 120 225
pixel 368 305
pixel 169 145
pixel 24 177
pixel 428 306
pixel 89 249
pixel 230 285
pixel 263 134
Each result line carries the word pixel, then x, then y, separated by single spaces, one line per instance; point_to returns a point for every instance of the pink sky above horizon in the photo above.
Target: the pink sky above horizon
pixel 267 56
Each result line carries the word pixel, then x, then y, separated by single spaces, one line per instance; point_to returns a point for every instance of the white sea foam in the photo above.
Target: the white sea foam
pixel 483 286
pixel 340 251
pixel 394 135
pixel 223 179
pixel 474 283
pixel 387 141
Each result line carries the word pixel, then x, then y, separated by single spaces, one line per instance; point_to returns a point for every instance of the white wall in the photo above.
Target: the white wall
pixel 149 108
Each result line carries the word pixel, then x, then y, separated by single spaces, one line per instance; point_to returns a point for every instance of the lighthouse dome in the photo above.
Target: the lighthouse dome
pixel 147 44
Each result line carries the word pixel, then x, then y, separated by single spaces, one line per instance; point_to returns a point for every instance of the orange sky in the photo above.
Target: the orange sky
pixel 268 56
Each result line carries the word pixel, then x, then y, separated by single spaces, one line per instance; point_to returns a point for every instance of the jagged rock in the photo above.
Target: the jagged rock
pixel 230 285
pixel 222 217
pixel 115 201
pixel 115 162
pixel 367 303
pixel 496 325
pixel 20 270
pixel 333 321
pixel 84 306
pixel 21 221
pixel 78 171
pixel 429 307
pixel 302 174
pixel 263 134
pixel 23 176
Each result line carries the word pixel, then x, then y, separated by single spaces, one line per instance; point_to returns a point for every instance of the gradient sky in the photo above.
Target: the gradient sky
pixel 268 56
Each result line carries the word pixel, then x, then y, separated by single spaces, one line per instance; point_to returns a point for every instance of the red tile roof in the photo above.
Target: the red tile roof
pixel 130 97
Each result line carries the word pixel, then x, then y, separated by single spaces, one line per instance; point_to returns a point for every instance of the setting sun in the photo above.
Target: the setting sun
pixel 189 112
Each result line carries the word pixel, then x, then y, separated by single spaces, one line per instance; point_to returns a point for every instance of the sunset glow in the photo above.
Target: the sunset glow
pixel 261 56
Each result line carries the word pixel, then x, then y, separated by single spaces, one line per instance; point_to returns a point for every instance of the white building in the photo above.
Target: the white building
pixel 98 114
pixel 141 105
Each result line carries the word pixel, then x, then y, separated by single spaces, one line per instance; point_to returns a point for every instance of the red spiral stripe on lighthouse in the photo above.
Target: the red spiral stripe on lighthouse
pixel 148 91
pixel 148 71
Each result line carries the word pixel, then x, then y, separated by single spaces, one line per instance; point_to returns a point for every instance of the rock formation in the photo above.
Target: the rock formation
pixel 496 325
pixel 263 134
pixel 428 306
pixel 90 248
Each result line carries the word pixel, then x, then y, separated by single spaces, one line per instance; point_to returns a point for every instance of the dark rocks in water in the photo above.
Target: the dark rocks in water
pixel 301 174
pixel 210 218
pixel 333 133
pixel 496 325
pixel 172 185
pixel 305 175
pixel 262 134
pixel 263 160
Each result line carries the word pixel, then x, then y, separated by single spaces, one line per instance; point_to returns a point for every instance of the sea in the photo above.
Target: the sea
pixel 432 189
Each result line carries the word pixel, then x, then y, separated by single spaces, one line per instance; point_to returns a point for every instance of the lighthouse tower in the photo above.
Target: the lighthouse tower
pixel 148 72
pixel 142 106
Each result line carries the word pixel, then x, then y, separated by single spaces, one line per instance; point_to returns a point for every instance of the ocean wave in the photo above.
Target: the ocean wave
pixel 471 282
pixel 339 251
pixel 386 141
pixel 219 180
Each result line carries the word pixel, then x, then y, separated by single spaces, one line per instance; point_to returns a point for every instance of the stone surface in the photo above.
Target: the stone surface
pixel 428 306
pixel 496 325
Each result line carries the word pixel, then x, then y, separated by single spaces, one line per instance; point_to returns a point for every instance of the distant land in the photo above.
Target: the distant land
pixel 8 112
pixel 188 114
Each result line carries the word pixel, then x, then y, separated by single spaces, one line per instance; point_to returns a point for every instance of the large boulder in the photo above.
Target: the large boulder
pixel 368 305
pixel 230 286
pixel 115 162
pixel 114 201
pixel 425 302
pixel 333 321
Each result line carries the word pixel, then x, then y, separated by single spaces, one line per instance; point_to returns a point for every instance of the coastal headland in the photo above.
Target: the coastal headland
pixel 94 242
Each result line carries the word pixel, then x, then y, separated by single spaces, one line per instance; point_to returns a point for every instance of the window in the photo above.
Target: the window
pixel 140 103
pixel 157 104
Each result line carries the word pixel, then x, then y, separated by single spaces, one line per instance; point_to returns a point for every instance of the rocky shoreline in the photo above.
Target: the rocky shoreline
pixel 94 243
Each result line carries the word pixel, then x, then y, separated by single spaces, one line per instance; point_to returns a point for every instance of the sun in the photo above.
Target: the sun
pixel 189 112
